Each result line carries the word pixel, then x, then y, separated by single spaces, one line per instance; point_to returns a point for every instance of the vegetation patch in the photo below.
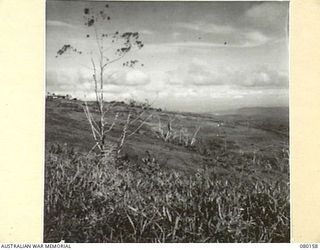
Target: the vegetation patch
pixel 94 199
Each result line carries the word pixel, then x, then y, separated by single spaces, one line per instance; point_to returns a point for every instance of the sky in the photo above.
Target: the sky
pixel 197 56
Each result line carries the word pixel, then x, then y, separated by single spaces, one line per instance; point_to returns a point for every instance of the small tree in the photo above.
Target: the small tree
pixel 107 49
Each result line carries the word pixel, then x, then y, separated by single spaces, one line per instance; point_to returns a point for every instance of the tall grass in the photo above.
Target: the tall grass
pixel 88 199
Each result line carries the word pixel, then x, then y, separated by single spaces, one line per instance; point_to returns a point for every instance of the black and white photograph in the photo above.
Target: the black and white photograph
pixel 167 122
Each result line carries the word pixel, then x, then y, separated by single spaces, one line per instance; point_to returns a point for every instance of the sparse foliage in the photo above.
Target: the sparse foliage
pixel 107 49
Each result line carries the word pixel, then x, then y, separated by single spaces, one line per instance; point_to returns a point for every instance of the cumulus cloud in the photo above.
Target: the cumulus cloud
pixel 263 77
pixel 72 82
pixel 80 83
pixel 252 39
pixel 199 74
pixel 128 78
pixel 230 35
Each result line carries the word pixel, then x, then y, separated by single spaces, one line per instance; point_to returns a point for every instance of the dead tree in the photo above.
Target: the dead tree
pixel 187 138
pixel 168 133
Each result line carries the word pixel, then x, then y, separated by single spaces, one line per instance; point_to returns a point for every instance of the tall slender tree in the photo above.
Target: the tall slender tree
pixel 105 49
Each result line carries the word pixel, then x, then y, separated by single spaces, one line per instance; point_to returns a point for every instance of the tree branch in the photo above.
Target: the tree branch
pixel 95 80
pixel 93 129
pixel 142 123
pixel 114 60
pixel 113 123
pixel 123 135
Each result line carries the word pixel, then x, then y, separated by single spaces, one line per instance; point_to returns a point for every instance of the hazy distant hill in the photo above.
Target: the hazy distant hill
pixel 272 119
pixel 264 111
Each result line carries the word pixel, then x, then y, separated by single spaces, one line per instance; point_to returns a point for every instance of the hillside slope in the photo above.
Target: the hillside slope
pixel 224 142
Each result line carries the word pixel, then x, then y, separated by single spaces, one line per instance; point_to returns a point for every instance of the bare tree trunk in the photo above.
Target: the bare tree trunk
pixel 123 135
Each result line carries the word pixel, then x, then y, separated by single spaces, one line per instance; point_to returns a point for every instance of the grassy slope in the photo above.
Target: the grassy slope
pixel 66 123
pixel 231 187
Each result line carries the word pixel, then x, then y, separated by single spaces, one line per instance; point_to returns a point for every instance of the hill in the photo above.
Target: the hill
pixel 270 112
pixel 230 185
pixel 67 124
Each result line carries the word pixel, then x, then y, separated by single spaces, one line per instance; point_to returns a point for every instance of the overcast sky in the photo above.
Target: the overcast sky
pixel 198 57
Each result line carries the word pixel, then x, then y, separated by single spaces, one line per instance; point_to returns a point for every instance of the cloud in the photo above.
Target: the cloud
pixel 271 18
pixel 200 74
pixel 268 12
pixel 80 83
pixel 176 34
pixel 128 78
pixel 197 73
pixel 263 78
pixel 237 37
pixel 206 27
pixel 68 82
pixel 193 44
pixel 252 39
pixel 55 23
pixel 259 24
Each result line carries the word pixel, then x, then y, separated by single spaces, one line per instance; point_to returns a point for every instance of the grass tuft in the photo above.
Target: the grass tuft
pixel 89 199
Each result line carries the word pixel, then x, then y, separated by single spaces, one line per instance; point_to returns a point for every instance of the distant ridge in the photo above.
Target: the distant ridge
pixel 264 111
pixel 267 112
